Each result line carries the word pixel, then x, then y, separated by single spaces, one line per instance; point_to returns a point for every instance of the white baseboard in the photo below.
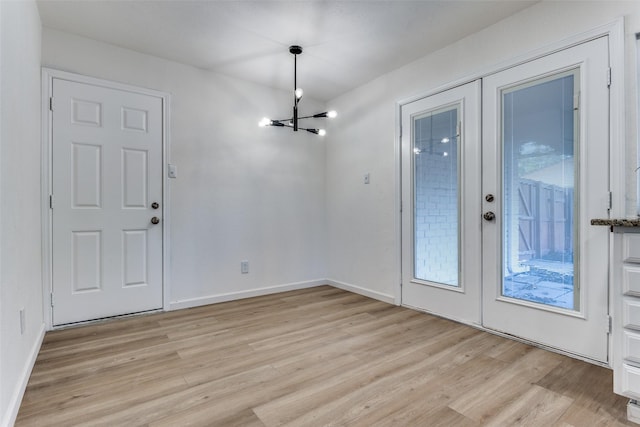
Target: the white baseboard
pixel 9 418
pixel 390 299
pixel 212 299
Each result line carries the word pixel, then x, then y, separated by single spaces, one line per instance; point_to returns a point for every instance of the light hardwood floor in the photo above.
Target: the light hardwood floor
pixel 315 357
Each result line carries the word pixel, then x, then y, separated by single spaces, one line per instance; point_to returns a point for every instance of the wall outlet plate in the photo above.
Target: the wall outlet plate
pixel 172 171
pixel 244 267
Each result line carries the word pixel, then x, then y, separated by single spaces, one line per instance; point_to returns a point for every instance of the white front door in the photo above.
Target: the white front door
pixel 496 227
pixel 546 160
pixel 106 189
pixel 441 198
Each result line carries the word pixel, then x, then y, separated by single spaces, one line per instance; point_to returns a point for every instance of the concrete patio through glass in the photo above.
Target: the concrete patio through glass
pixel 546 282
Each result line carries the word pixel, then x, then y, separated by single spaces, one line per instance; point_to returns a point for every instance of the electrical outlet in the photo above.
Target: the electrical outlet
pixel 244 267
pixel 366 178
pixel 22 320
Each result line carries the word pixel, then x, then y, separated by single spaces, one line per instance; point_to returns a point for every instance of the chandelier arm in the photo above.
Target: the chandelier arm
pixel 283 120
pixel 313 116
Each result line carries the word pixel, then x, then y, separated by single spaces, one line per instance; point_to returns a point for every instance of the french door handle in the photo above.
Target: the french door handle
pixel 489 216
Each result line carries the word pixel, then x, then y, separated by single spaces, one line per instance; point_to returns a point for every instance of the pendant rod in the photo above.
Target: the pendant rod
pixel 295 50
pixel 295 98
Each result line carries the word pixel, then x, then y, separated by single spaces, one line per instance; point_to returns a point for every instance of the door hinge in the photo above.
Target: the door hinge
pixel 50 201
pixel 51 296
pixel 576 102
pixel 609 77
pixel 51 103
pixel 401 206
pixel 610 200
pixel 458 130
pixel 609 324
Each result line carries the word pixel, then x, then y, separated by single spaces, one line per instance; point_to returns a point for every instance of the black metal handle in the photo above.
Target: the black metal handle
pixel 155 220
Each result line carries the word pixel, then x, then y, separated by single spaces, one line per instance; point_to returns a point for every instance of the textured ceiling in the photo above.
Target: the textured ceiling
pixel 346 43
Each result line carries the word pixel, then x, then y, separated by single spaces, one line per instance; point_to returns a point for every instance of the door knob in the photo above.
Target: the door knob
pixel 155 205
pixel 489 216
pixel 489 198
pixel 155 220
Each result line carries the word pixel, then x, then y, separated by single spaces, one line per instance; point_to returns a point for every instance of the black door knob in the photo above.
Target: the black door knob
pixel 155 220
pixel 489 216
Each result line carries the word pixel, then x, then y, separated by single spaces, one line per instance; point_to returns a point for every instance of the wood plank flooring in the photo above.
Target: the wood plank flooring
pixel 314 357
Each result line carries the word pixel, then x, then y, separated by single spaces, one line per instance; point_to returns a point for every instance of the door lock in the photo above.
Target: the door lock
pixel 156 220
pixel 155 205
pixel 489 198
pixel 489 216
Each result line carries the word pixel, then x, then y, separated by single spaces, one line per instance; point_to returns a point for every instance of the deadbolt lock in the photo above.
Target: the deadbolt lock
pixel 489 198
pixel 155 205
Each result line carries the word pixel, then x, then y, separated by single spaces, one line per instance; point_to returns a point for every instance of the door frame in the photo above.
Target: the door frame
pixel 48 75
pixel 615 31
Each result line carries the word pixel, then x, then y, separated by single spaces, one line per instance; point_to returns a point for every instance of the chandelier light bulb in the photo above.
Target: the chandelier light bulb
pixel 299 92
pixel 332 114
pixel 322 132
pixel 445 140
pixel 264 122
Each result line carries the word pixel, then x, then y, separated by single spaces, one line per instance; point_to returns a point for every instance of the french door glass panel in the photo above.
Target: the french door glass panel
pixel 539 139
pixel 435 149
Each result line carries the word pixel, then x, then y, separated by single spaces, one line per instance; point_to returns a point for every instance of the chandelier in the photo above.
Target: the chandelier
pixel 297 96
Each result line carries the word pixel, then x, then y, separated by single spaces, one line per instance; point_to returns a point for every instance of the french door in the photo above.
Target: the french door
pixel 441 194
pixel 528 262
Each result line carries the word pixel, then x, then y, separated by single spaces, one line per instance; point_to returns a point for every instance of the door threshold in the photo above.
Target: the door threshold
pixel 104 319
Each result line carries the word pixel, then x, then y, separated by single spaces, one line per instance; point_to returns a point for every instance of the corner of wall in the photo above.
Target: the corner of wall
pixel 21 320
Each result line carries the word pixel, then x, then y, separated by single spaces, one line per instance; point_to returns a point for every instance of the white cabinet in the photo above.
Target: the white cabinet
pixel 625 299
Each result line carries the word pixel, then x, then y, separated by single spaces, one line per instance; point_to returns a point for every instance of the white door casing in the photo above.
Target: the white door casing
pixel 106 172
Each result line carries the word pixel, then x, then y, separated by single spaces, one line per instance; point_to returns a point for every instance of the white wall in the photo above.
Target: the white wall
pixel 242 192
pixel 20 239
pixel 362 246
